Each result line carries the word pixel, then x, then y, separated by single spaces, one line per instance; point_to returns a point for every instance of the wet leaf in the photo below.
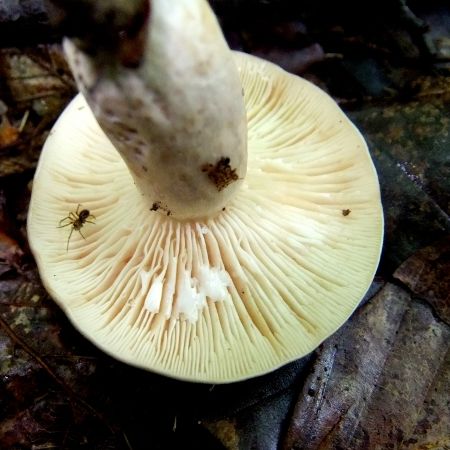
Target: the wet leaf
pixel 427 274
pixel 377 380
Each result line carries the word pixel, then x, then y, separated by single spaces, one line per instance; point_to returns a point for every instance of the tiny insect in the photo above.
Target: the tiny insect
pixel 77 221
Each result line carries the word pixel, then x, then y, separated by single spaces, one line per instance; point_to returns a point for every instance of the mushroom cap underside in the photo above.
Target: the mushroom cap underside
pixel 232 296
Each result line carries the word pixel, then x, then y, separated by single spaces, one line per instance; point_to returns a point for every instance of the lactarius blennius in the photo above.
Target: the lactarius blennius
pixel 203 264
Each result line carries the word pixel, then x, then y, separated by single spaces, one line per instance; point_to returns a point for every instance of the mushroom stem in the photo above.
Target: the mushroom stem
pixel 169 97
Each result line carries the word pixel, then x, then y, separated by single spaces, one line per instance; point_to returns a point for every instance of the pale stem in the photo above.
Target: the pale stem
pixel 178 118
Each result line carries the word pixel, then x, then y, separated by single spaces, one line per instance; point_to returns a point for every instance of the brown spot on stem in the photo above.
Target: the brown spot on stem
pixel 155 206
pixel 346 212
pixel 159 206
pixel 221 173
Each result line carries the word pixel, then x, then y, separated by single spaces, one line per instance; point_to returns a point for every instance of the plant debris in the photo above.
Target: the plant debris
pixel 221 173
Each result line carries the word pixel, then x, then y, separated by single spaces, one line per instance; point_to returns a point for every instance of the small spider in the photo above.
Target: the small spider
pixel 76 220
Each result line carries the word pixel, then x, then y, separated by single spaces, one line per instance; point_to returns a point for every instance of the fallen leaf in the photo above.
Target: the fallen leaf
pixel 377 380
pixel 427 274
pixel 8 134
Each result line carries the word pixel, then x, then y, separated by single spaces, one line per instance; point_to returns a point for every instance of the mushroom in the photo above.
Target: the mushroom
pixel 201 265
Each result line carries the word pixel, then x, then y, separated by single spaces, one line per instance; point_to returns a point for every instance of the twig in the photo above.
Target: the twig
pixel 24 120
pixel 174 428
pixel 125 438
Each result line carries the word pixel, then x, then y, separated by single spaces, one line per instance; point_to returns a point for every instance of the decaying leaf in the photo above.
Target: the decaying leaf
pixel 427 274
pixel 379 382
pixel 8 133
